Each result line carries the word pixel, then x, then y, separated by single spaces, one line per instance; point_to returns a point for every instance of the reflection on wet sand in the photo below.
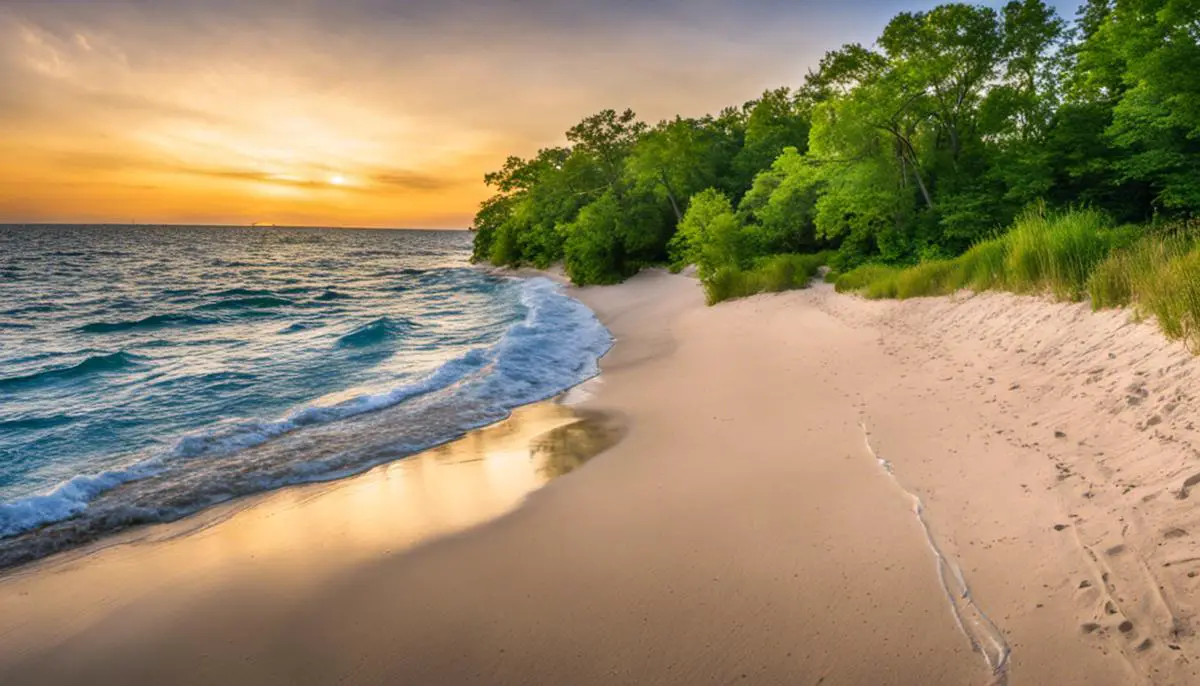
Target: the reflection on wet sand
pixel 298 536
pixel 565 448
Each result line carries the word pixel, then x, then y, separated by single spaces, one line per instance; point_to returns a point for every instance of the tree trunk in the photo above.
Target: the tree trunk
pixel 912 157
pixel 921 184
pixel 671 197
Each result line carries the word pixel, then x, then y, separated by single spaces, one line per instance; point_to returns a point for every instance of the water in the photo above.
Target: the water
pixel 146 373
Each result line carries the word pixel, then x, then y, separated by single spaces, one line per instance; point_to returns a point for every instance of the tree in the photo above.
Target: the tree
pixel 780 208
pixel 775 121
pixel 709 236
pixel 957 119
pixel 676 159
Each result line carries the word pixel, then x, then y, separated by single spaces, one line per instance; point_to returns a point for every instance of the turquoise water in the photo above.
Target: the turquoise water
pixel 148 372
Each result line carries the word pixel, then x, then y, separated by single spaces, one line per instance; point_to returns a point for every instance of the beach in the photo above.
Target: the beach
pixel 803 487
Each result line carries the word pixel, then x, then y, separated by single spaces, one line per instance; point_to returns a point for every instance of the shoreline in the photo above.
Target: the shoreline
pixel 747 525
pixel 552 347
pixel 290 533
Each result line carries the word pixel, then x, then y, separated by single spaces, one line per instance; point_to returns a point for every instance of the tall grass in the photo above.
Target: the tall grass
pixel 1072 256
pixel 1158 276
pixel 768 275
pixel 1042 253
pixel 1131 271
pixel 859 278
pixel 1056 253
pixel 982 267
pixel 1173 297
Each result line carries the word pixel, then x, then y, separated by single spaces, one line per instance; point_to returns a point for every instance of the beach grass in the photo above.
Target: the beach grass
pixel 768 275
pixel 1043 253
pixel 858 279
pixel 1157 276
pixel 1070 256
pixel 1055 252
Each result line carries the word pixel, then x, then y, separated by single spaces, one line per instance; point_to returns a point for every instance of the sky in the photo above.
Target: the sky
pixel 373 113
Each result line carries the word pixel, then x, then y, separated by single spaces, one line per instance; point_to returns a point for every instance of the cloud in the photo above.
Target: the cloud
pixel 410 180
pixel 214 101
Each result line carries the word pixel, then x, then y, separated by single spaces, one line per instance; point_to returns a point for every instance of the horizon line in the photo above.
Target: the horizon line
pixel 233 226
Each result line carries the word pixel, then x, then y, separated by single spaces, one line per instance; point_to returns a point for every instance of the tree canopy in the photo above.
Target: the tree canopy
pixel 948 127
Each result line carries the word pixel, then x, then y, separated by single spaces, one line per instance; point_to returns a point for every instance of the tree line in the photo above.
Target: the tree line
pixel 916 148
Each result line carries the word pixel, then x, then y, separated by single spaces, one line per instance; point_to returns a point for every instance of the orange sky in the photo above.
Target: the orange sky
pixel 357 113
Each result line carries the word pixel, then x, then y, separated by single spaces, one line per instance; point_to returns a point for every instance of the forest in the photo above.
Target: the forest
pixel 961 128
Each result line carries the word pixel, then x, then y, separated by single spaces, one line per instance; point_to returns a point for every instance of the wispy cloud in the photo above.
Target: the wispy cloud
pixel 226 107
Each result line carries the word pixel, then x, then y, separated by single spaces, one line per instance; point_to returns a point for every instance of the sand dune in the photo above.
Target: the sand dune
pixel 813 488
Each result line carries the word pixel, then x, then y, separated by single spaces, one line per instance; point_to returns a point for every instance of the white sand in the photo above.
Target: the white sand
pixel 741 532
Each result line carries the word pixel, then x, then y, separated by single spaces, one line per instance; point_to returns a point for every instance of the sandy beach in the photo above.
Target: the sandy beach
pixel 802 488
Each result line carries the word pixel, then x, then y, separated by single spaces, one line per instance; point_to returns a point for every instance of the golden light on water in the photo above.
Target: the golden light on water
pixel 300 535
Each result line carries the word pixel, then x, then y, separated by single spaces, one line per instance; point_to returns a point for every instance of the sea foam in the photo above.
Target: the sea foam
pixel 555 346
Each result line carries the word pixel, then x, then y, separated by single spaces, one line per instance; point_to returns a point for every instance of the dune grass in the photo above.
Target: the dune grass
pixel 1055 253
pixel 1071 256
pixel 768 275
pixel 1157 276
pixel 1042 253
pixel 1131 271
pixel 859 278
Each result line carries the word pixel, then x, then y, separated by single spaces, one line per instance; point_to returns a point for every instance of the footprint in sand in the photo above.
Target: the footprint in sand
pixel 1187 486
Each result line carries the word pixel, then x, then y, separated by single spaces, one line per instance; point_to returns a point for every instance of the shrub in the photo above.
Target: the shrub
pixel 708 212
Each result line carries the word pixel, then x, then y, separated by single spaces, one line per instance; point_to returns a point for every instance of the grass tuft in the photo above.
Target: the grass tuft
pixel 769 275
pixel 862 276
pixel 1055 253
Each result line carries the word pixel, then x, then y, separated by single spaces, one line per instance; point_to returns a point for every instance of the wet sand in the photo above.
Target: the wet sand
pixel 285 543
pixel 758 523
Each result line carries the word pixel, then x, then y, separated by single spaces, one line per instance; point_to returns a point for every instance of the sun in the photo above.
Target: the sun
pixel 337 180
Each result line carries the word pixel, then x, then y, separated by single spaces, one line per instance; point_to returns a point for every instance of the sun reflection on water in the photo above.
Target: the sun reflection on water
pixel 295 537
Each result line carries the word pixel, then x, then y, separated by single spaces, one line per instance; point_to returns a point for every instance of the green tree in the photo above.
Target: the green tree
pixel 709 235
pixel 780 208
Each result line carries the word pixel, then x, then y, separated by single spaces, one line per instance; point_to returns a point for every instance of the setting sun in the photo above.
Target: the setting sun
pixel 177 112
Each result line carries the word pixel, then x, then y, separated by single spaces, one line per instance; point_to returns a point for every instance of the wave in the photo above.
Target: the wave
pixel 242 293
pixel 374 333
pixel 33 309
pixel 95 364
pixel 556 346
pixel 34 423
pixel 330 294
pixel 301 326
pixel 152 322
pixel 248 303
